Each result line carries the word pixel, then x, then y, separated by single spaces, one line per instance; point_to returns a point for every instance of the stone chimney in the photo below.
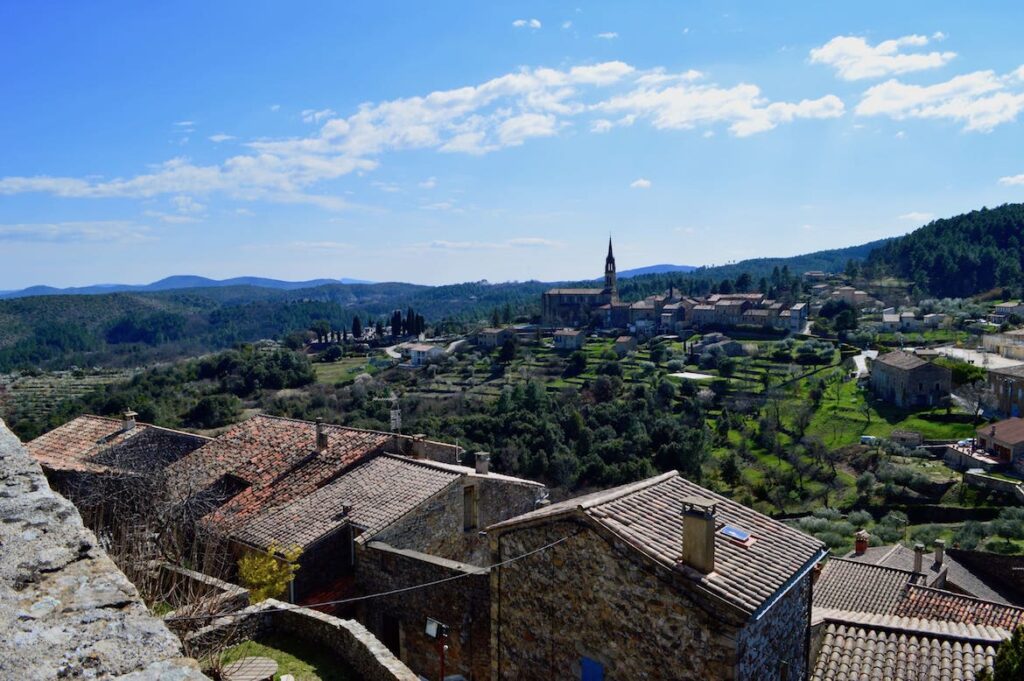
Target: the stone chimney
pixel 918 557
pixel 419 446
pixel 321 437
pixel 699 534
pixel 483 463
pixel 128 423
pixel 861 540
pixel 940 551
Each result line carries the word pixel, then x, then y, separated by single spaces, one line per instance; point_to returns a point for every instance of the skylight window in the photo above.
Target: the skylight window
pixel 735 533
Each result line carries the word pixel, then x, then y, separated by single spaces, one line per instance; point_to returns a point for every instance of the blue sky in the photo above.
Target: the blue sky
pixel 443 142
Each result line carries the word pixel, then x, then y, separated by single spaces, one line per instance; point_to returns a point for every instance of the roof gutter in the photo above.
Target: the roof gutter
pixel 790 583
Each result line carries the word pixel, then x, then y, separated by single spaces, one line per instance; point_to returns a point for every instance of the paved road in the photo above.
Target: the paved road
pixel 861 361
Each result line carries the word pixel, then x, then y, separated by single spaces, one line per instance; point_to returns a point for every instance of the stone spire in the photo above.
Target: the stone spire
pixel 610 284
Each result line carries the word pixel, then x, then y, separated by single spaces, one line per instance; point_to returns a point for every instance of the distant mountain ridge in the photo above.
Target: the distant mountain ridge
pixel 181 281
pixel 655 269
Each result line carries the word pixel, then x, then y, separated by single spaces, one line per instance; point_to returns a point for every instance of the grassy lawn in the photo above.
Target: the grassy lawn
pixel 305 661
pixel 344 370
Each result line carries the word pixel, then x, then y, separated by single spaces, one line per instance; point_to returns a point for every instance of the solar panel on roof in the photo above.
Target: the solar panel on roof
pixel 735 533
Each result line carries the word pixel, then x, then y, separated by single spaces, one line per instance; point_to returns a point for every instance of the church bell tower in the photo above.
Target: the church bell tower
pixel 610 284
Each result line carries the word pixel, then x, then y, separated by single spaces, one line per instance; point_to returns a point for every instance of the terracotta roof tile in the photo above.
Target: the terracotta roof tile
pixel 379 492
pixel 901 360
pixel 928 603
pixel 850 585
pixel 647 515
pixel 89 443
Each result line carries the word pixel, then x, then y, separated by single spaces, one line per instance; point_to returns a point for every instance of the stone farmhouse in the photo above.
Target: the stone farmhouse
pixel 1007 386
pixel 372 512
pixel 1009 344
pixel 906 380
pixel 494 337
pixel 656 579
pixel 569 339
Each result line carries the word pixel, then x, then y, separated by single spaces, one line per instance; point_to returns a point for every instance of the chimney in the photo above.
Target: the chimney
pixel 321 437
pixel 699 534
pixel 918 557
pixel 419 446
pixel 483 463
pixel 861 541
pixel 129 420
pixel 940 551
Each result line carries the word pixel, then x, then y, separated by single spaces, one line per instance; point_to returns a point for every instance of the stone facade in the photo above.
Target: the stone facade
pixel 66 611
pixel 463 604
pixel 594 601
pixel 918 384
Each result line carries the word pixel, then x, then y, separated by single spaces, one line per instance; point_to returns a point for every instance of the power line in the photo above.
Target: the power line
pixel 343 601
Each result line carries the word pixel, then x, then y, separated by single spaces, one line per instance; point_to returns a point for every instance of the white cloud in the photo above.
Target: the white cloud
pixel 854 59
pixel 640 183
pixel 674 102
pixel 566 25
pixel 939 36
pixel 322 246
pixel 389 187
pixel 428 183
pixel 609 35
pixel 980 100
pixel 275 107
pixel 506 111
pixel 1012 180
pixel 917 216
pixel 186 204
pixel 244 211
pixel 517 243
pixel 74 232
pixel 439 205
pixel 185 124
pixel 314 116
pixel 523 23
pixel 220 137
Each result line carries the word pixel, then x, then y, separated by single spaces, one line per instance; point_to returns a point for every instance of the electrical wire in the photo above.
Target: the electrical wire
pixel 474 571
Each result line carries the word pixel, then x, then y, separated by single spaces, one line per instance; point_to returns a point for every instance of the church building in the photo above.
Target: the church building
pixel 583 306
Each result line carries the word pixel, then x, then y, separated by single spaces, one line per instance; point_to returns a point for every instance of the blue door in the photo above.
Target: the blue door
pixel 592 670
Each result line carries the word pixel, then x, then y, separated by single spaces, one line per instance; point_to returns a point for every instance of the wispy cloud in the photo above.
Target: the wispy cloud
pixel 566 25
pixel 640 183
pixel 853 58
pixel 75 232
pixel 506 111
pixel 980 100
pixel 323 246
pixel 608 35
pixel 917 216
pixel 314 116
pixel 220 137
pixel 428 183
pixel 1012 180
pixel 526 23
pixel 517 243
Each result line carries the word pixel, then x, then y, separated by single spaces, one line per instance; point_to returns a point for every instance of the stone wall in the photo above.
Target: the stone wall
pixel 593 597
pixel 775 647
pixel 66 611
pixel 463 604
pixel 437 526
pixel 350 641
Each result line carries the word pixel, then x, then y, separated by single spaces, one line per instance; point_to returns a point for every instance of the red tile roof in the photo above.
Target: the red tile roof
pixel 934 604
pixel 276 457
pixel 79 444
pixel 862 587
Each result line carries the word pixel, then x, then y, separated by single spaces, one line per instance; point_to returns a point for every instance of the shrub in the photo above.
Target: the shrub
pixel 266 576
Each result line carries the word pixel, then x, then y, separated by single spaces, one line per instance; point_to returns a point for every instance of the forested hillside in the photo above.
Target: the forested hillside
pixel 959 256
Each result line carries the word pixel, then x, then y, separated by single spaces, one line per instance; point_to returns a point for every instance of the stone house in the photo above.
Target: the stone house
pixel 494 337
pixel 1010 307
pixel 372 512
pixel 624 345
pixel 1009 344
pixel 906 380
pixel 1004 441
pixel 569 339
pixel 421 354
pixel 656 579
pixel 1007 386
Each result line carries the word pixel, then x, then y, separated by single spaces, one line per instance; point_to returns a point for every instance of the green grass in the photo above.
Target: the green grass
pixel 303 660
pixel 344 370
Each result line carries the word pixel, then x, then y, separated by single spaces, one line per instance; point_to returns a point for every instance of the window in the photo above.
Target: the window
pixel 469 508
pixel 591 670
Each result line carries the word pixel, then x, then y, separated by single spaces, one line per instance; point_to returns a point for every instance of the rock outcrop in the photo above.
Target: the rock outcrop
pixel 66 611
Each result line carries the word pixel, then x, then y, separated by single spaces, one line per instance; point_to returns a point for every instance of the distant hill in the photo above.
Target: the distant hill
pixel 654 269
pixel 181 281
pixel 959 256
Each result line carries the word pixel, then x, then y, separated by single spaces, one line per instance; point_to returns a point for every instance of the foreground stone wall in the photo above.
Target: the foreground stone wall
pixel 463 604
pixel 66 611
pixel 592 597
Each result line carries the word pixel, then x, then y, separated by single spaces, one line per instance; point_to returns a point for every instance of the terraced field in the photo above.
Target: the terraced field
pixel 32 397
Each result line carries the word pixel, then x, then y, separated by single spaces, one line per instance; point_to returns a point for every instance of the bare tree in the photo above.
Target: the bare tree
pixel 976 397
